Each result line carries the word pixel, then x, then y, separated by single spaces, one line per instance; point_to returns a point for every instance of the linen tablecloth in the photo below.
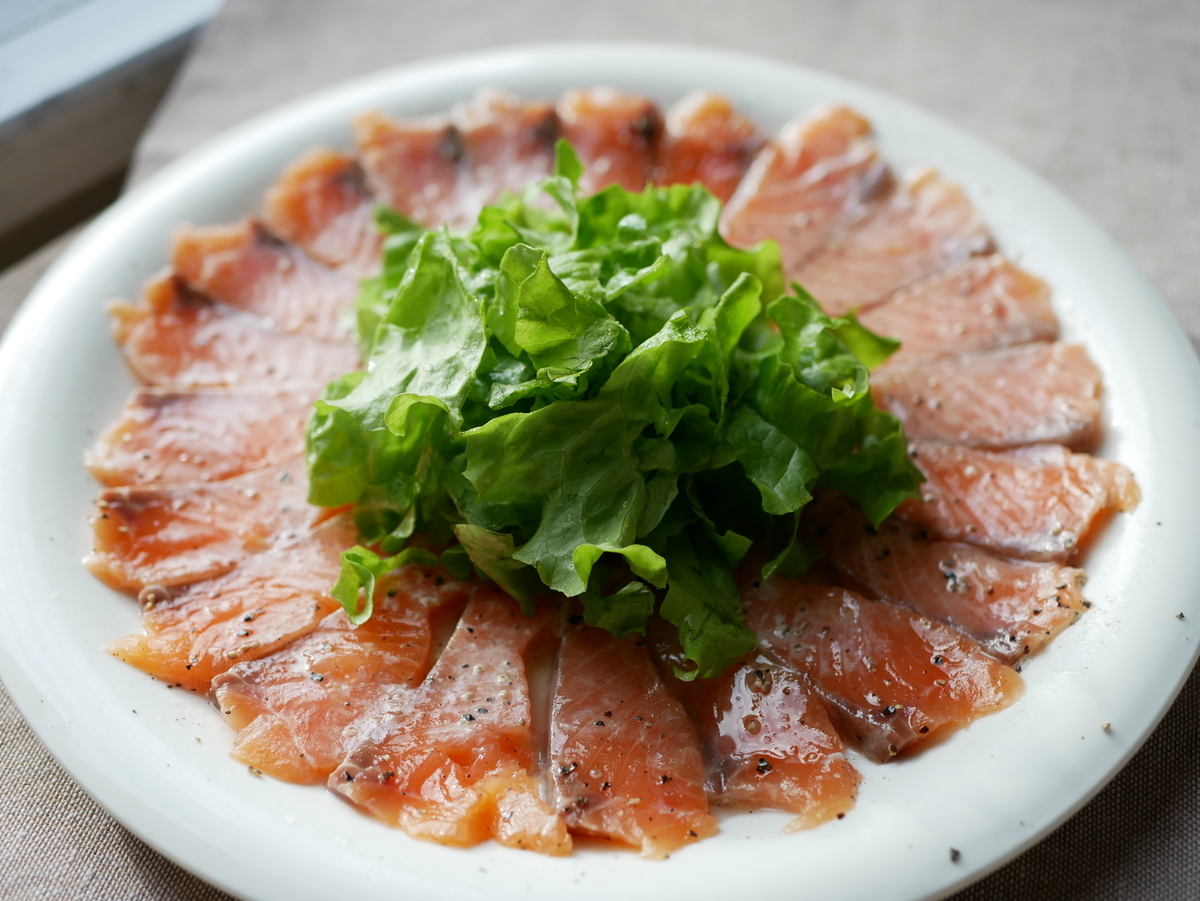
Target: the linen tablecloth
pixel 1100 97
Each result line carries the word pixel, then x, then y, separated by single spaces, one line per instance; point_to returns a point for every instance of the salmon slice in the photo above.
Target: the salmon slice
pixel 615 135
pixel 172 535
pixel 706 140
pixel 300 711
pixel 445 170
pixel 766 737
pixel 893 680
pixel 819 174
pixel 197 632
pixel 925 225
pixel 1012 608
pixel 322 204
pixel 178 338
pixel 1032 394
pixel 163 435
pixel 1037 502
pixel 453 764
pixel 624 756
pixel 248 268
pixel 980 304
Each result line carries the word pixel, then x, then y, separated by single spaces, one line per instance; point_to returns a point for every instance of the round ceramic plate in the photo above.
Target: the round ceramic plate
pixel 158 759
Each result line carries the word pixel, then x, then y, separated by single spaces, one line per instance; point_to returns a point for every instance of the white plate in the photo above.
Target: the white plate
pixel 157 759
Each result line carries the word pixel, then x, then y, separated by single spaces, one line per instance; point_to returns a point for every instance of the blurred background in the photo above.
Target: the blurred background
pixel 1101 97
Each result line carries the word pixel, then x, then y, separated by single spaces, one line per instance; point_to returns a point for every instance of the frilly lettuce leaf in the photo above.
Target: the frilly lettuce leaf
pixel 597 396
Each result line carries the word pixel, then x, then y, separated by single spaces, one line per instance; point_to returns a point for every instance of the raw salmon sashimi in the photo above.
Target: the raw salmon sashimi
pixel 706 140
pixel 165 435
pixel 766 737
pixel 821 173
pixel 172 535
pixel 179 338
pixel 1012 608
pixel 925 225
pixel 444 171
pixel 453 765
pixel 322 204
pixel 892 679
pixel 250 269
pixel 624 756
pixel 979 304
pixel 194 633
pixel 300 711
pixel 1031 394
pixel 615 134
pixel 1036 502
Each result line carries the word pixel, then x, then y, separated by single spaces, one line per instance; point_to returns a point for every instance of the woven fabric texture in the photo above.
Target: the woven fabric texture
pixel 1100 97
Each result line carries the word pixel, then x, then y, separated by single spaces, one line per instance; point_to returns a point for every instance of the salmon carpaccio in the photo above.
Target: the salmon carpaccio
pixel 453 762
pixel 453 715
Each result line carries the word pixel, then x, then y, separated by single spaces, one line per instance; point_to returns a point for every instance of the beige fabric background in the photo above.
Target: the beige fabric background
pixel 1100 97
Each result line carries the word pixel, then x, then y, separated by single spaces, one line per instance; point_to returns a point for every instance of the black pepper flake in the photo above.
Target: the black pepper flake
pixel 888 710
pixel 598 723
pixel 481 710
pixel 664 779
pixel 955 855
pixel 568 769
pixel 316 677
pixel 764 765
pixel 349 777
pixel 691 834
pixel 1179 615
pixel 439 581
pixel 841 816
pixel 388 775
pixel 608 713
pixel 467 718
pixel 605 786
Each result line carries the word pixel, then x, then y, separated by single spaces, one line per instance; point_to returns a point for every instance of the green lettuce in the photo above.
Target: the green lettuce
pixel 597 396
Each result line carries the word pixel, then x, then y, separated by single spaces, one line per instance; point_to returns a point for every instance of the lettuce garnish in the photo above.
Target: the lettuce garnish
pixel 600 397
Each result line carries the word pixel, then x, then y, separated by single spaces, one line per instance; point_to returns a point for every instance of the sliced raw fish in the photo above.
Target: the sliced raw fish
pixel 821 173
pixel 615 134
pixel 271 599
pixel 925 225
pixel 979 304
pixel 300 711
pixel 323 205
pixel 1032 394
pixel 1011 607
pixel 891 678
pixel 766 737
pixel 180 339
pixel 1036 502
pixel 706 140
pixel 624 756
pixel 248 268
pixel 164 435
pixel 172 535
pixel 445 170
pixel 453 764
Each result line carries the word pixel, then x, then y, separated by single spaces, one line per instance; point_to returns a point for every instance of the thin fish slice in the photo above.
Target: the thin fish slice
pixel 1032 394
pixel 1012 608
pixel 766 737
pixel 445 170
pixel 1037 502
pixel 453 764
pixel 172 535
pixel 248 268
pixel 271 599
pixel 624 756
pixel 323 205
pixel 821 173
pixel 300 711
pixel 892 679
pixel 178 338
pixel 980 304
pixel 707 141
pixel 164 435
pixel 925 225
pixel 412 165
pixel 615 134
